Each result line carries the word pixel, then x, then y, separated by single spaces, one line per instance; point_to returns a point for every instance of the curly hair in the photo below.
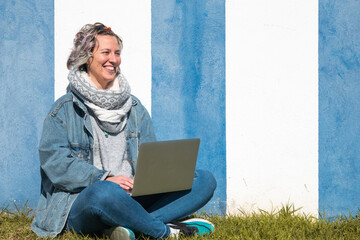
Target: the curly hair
pixel 84 44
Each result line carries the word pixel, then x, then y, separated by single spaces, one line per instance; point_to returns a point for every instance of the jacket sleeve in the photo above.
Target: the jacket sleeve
pixel 67 170
pixel 146 127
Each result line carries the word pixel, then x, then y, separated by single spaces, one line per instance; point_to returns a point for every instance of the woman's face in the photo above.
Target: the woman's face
pixel 104 64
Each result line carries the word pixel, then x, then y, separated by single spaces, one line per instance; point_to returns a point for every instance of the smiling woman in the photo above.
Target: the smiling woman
pixel 88 151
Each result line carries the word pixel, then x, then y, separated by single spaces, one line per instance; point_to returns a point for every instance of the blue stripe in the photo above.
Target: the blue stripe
pixel 188 81
pixel 26 93
pixel 339 107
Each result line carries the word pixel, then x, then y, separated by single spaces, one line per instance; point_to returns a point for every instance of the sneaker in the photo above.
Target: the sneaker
pixel 204 227
pixel 178 229
pixel 119 233
pixel 191 227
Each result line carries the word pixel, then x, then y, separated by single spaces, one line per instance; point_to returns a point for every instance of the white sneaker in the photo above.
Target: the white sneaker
pixel 119 233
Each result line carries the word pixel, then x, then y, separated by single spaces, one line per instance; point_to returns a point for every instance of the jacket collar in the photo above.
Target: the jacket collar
pixel 77 101
pixel 134 101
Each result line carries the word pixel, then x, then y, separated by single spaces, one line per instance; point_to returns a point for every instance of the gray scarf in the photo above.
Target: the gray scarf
pixel 109 107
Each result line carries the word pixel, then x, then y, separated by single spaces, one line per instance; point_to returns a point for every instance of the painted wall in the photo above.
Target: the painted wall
pixel 270 88
pixel 271 104
pixel 339 107
pixel 188 81
pixel 26 94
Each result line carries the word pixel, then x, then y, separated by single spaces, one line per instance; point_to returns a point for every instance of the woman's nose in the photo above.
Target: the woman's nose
pixel 113 58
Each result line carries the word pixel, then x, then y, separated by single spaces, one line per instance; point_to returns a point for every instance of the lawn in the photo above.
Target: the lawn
pixel 286 223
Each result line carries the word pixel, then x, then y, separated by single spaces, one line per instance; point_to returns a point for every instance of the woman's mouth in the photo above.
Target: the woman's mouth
pixel 110 69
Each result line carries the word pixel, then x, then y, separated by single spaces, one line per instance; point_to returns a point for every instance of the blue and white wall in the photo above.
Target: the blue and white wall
pixel 270 88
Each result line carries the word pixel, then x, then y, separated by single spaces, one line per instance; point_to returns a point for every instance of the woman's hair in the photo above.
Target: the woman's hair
pixel 84 44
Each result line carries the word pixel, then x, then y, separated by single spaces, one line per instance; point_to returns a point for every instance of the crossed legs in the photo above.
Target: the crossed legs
pixel 105 204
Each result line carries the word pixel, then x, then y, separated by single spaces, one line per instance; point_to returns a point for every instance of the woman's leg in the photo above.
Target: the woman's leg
pixel 105 204
pixel 168 207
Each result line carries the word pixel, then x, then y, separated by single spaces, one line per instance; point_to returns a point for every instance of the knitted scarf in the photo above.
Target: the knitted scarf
pixel 109 106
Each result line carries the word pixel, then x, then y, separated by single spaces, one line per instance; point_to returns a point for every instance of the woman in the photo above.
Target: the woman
pixel 88 150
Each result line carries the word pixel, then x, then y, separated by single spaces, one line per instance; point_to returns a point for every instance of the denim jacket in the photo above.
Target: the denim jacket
pixel 66 158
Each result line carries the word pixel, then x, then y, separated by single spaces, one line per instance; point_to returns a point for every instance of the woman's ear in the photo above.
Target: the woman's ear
pixel 89 61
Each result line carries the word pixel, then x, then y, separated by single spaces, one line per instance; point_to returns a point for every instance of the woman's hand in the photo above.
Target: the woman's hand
pixel 125 182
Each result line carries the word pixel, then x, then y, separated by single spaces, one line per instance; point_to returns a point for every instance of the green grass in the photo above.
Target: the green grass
pixel 286 223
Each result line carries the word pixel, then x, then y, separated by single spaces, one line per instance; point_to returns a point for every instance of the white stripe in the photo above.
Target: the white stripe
pixel 272 104
pixel 131 20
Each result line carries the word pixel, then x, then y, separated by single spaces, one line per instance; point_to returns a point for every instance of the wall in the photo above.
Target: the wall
pixel 26 94
pixel 270 88
pixel 271 104
pixel 188 81
pixel 339 107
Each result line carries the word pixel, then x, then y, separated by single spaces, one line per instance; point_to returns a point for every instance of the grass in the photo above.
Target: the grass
pixel 286 223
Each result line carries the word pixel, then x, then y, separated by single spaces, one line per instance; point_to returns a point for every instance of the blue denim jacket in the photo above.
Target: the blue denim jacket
pixel 66 158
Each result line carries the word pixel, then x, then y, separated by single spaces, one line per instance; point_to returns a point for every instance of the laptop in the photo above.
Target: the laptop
pixel 165 166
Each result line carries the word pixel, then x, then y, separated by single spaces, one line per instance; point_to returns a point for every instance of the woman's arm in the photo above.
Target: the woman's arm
pixel 66 170
pixel 146 127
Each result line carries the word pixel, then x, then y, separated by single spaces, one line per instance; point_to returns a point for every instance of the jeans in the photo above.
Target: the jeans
pixel 105 204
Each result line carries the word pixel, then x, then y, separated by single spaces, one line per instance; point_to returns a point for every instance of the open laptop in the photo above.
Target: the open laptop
pixel 165 166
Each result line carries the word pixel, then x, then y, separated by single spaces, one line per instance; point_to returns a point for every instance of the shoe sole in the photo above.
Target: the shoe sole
pixel 198 220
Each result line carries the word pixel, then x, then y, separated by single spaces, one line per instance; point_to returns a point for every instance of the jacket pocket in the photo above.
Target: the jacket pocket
pixel 131 134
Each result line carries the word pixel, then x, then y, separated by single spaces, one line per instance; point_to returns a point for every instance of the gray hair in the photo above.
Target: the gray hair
pixel 84 44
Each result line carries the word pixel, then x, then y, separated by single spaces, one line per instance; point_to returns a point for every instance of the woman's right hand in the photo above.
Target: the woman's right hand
pixel 125 182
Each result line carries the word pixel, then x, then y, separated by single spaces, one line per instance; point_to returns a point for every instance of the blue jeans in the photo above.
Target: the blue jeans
pixel 105 204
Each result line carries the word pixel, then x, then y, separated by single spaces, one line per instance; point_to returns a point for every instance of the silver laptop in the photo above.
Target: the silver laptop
pixel 165 166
